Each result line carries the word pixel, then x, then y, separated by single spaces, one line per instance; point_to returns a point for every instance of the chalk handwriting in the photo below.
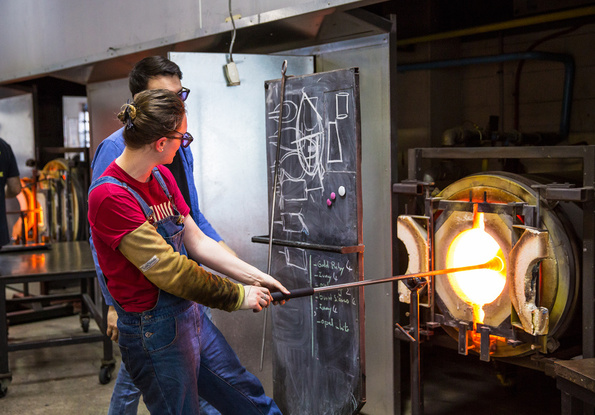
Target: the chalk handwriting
pixel 328 305
pixel 335 324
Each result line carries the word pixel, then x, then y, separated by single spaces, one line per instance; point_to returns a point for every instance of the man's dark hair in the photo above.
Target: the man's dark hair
pixel 148 68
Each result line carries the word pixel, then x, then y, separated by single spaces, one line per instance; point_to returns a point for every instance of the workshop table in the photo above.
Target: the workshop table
pixel 62 261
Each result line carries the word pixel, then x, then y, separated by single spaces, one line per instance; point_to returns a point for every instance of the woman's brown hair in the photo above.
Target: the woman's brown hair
pixel 153 114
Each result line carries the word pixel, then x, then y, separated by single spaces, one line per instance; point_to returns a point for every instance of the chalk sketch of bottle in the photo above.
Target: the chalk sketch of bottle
pixel 309 140
pixel 334 148
pixel 342 105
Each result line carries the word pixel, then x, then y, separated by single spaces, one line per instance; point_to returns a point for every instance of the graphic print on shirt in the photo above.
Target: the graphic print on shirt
pixel 162 210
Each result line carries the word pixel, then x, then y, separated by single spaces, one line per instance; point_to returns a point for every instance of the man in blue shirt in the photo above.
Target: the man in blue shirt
pixel 223 374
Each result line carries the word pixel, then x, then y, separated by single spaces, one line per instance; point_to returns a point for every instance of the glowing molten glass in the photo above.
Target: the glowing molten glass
pixel 479 287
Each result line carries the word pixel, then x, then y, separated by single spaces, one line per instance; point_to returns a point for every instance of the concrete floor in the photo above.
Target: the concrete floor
pixel 57 380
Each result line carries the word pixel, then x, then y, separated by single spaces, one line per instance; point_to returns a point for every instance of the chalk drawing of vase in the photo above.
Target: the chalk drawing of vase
pixel 309 141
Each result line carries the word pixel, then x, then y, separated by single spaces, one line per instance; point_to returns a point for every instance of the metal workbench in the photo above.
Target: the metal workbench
pixel 62 261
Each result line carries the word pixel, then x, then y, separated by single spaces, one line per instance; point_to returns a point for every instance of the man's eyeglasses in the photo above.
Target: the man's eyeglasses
pixel 183 93
pixel 186 139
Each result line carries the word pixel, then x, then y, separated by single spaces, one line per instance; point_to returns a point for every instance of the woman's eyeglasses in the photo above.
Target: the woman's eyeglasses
pixel 186 139
pixel 183 93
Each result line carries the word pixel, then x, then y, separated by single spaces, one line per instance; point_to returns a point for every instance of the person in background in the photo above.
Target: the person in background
pixel 141 232
pixel 10 186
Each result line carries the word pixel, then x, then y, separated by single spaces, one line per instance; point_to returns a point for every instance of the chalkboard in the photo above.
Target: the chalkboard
pixel 317 340
pixel 319 155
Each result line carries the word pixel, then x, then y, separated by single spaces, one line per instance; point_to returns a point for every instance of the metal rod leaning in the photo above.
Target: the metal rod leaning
pixel 274 199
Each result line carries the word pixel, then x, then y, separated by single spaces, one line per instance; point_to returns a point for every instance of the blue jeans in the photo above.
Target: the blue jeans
pixel 221 378
pixel 126 396
pixel 164 349
pixel 224 382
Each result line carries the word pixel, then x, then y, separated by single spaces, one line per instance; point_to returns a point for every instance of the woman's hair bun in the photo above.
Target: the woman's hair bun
pixel 131 110
pixel 127 115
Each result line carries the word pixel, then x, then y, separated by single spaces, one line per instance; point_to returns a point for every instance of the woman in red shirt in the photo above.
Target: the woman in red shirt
pixel 142 232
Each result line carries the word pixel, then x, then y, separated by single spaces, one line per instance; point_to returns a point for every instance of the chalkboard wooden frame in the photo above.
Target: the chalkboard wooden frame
pixel 317 239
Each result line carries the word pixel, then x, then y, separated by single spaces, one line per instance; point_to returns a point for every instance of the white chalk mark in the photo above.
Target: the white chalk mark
pixel 335 149
pixel 296 188
pixel 295 257
pixel 342 105
pixel 294 223
pixel 289 112
pixel 310 118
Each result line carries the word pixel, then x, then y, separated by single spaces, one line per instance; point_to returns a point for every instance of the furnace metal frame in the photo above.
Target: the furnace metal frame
pixel 585 195
pixel 414 187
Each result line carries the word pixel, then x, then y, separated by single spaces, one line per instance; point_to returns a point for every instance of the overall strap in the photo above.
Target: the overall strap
pixel 147 210
pixel 159 177
pixel 161 182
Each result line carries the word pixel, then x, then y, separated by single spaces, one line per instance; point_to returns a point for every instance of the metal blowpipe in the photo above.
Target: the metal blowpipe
pixel 494 264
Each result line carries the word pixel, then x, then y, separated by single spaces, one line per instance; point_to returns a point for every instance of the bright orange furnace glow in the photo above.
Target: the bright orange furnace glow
pixel 479 287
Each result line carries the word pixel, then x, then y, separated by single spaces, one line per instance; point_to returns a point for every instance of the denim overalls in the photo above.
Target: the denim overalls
pixel 165 348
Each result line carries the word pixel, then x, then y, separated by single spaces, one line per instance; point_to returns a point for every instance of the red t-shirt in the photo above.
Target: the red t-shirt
pixel 113 213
